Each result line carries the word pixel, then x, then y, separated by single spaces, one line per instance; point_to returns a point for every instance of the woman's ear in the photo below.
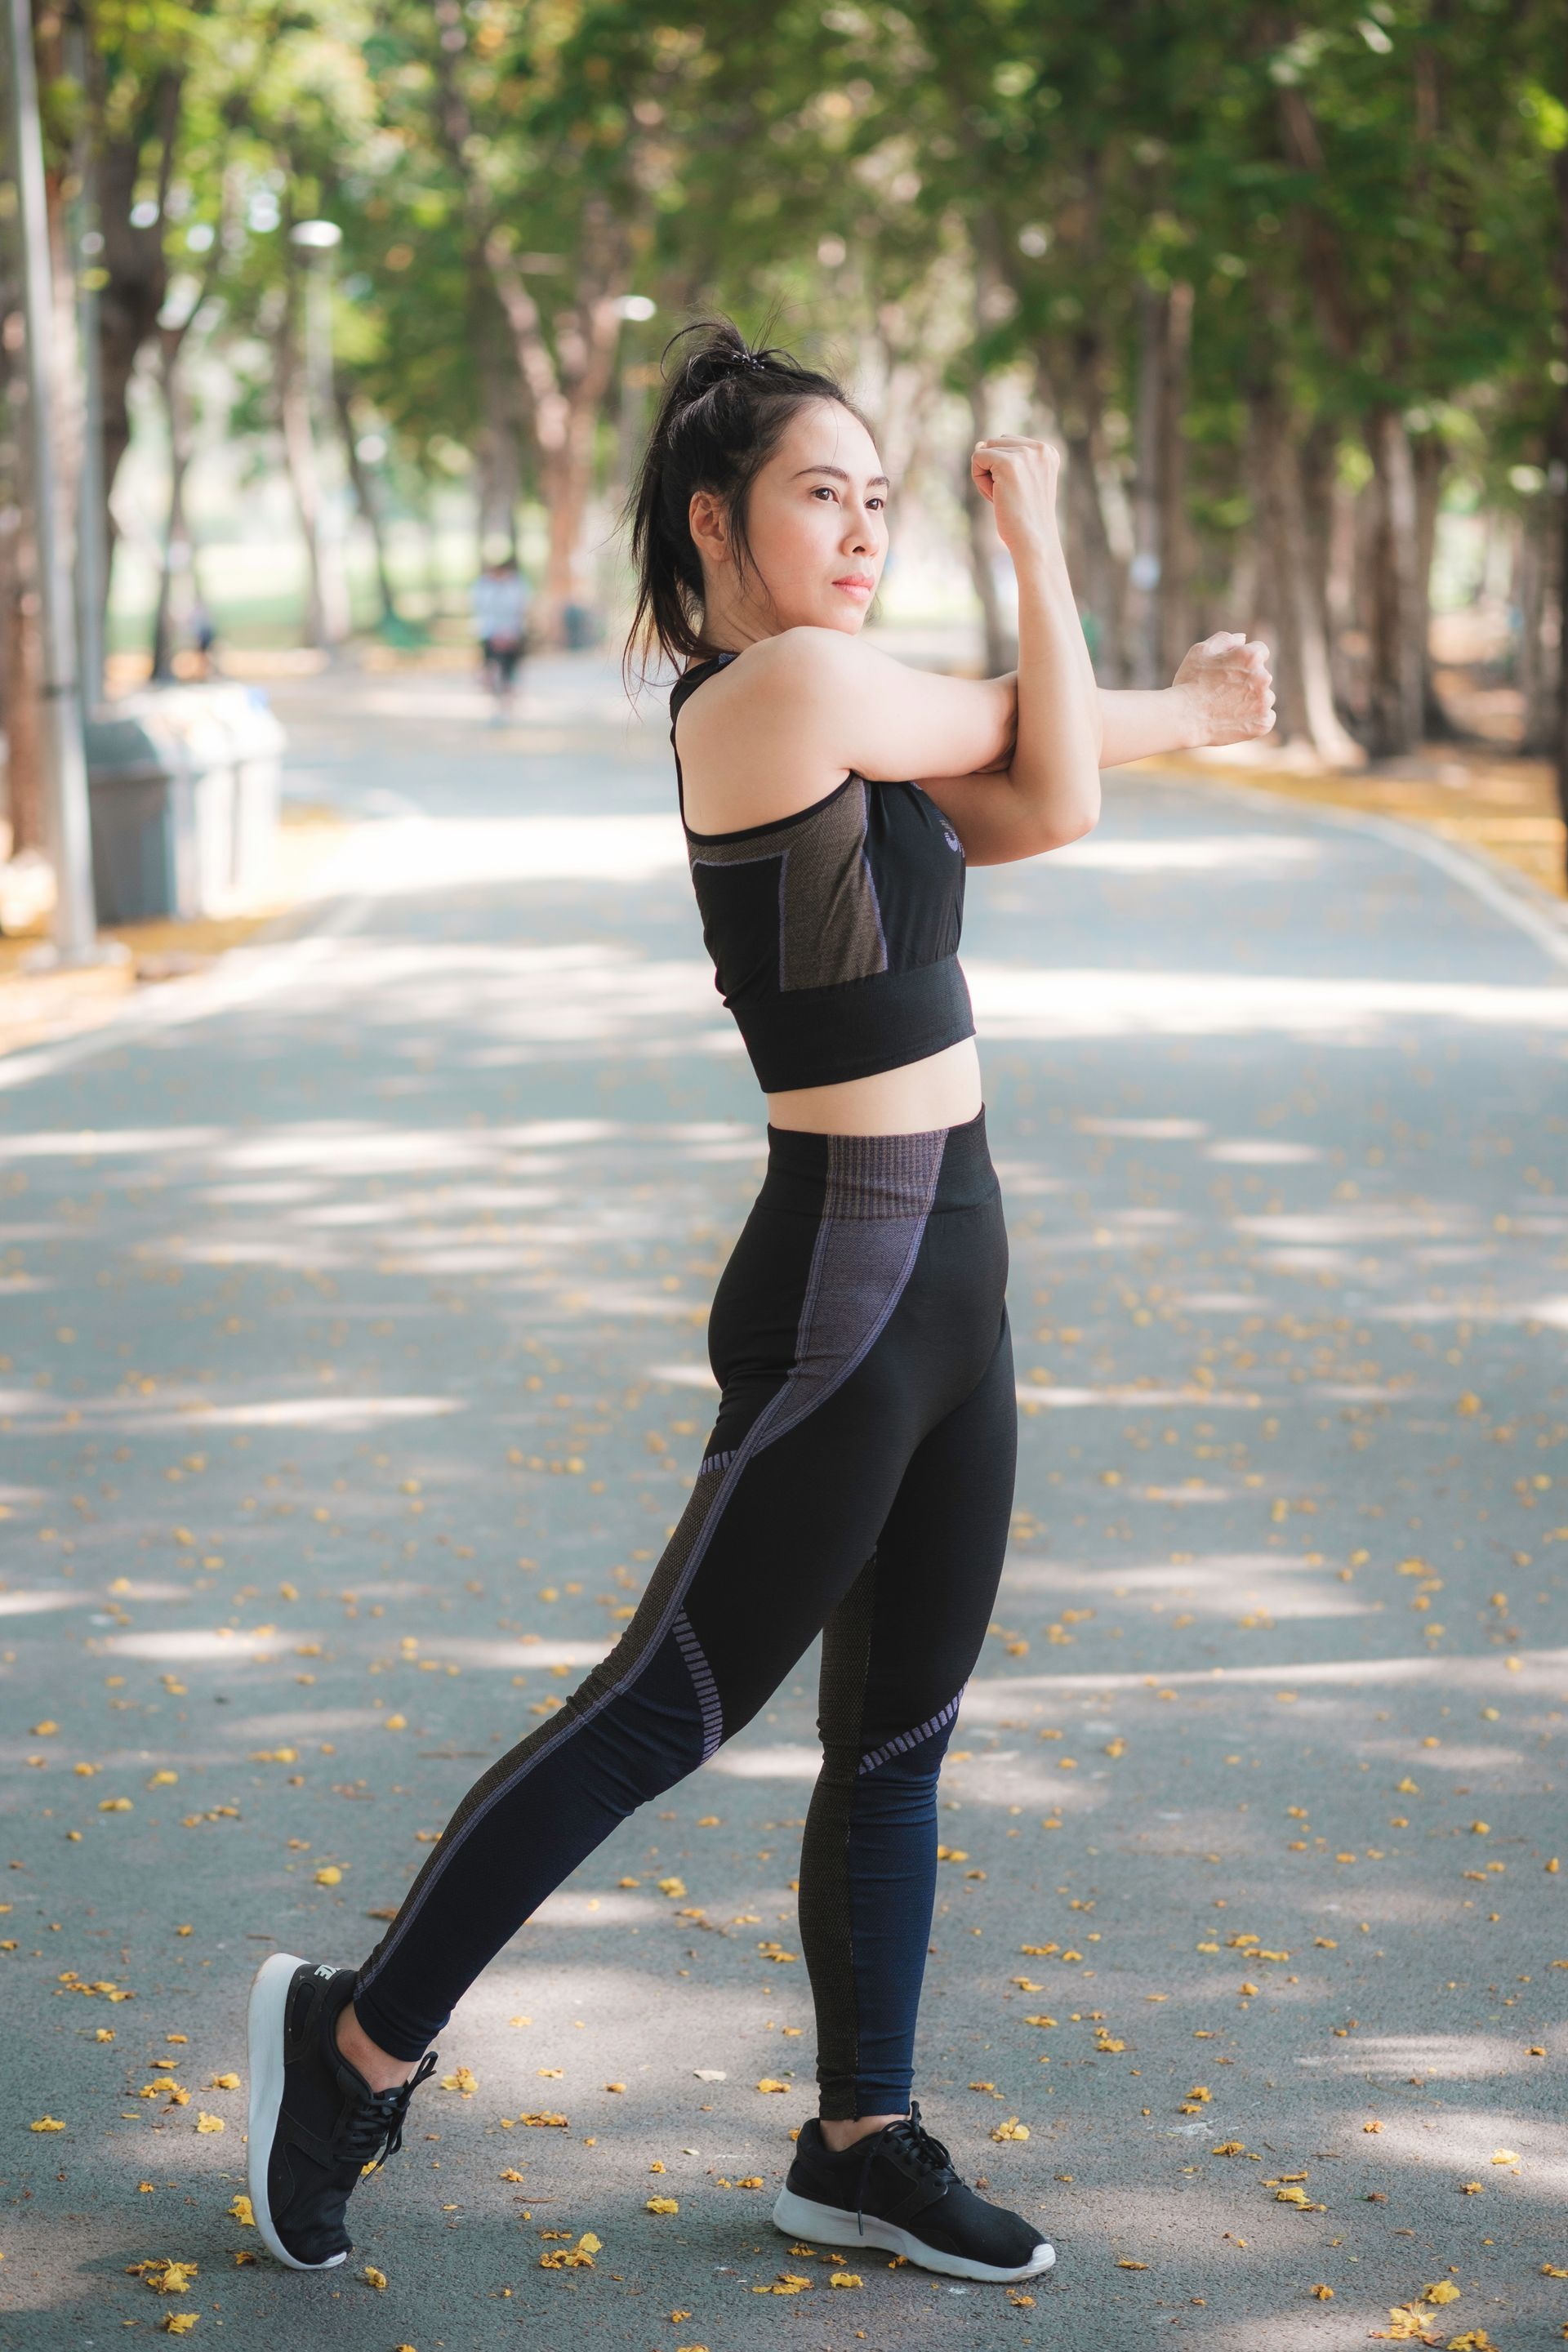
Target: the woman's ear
pixel 709 527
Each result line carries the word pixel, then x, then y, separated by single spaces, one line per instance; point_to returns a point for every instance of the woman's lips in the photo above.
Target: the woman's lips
pixel 855 585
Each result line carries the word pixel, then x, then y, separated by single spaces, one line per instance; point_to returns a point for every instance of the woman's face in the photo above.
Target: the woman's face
pixel 816 527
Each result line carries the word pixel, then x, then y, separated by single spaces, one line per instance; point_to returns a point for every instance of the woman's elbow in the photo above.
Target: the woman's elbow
pixel 1072 826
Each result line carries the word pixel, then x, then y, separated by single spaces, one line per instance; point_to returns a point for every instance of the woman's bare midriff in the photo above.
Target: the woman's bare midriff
pixel 943 1090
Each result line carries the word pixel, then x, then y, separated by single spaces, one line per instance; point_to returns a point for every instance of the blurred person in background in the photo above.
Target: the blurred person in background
pixel 500 599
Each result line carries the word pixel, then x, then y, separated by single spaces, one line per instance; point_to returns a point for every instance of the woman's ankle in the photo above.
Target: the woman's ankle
pixel 842 2133
pixel 380 2069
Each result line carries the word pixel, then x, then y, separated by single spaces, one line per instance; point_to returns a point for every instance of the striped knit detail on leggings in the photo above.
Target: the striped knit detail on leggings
pixel 907 1740
pixel 702 1680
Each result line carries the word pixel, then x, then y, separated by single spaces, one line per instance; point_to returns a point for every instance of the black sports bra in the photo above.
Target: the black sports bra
pixel 834 932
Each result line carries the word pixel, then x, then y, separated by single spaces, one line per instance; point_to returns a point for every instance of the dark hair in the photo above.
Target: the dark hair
pixel 722 413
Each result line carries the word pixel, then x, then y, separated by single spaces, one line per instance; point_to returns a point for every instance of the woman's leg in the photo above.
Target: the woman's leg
pixel 839 1316
pixel 897 1652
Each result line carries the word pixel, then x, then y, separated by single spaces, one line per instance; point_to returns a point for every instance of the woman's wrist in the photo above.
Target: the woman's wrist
pixel 1188 730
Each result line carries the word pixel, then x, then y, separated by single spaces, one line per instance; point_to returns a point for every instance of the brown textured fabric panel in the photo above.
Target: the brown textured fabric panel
pixel 883 1175
pixel 823 1909
pixel 830 929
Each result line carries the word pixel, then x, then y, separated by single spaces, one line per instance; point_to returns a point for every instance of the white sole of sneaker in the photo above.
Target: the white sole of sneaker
pixel 268 1999
pixel 801 2217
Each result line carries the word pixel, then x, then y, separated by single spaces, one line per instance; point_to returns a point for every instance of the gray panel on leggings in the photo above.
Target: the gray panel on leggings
pixel 879 1195
pixel 830 926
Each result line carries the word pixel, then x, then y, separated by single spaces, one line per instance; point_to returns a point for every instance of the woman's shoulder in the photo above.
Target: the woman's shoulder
pixel 755 734
pixel 787 672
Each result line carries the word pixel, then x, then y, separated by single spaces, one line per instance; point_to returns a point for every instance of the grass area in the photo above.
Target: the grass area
pixel 1477 795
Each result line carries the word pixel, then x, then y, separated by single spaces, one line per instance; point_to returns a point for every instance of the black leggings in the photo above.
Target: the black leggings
pixel 859 1483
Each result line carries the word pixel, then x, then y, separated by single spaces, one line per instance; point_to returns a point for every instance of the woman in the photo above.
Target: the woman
pixel 858 1479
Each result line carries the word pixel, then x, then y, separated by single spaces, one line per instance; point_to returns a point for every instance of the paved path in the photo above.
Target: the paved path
pixel 353 1366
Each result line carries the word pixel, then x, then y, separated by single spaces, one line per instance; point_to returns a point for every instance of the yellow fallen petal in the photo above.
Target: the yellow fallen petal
pixel 661 2205
pixel 47 2123
pixel 179 2322
pixel 328 1875
pixel 844 2278
pixel 240 2210
pixel 224 2082
pixel 205 2123
pixel 375 2278
pixel 1441 2291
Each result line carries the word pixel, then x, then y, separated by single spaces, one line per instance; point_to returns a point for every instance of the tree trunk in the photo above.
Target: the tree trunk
pixel 1176 529
pixel 365 497
pixel 498 456
pixel 20 684
pixel 135 276
pixel 1430 458
pixel 1537 549
pixel 1142 622
pixel 1558 475
pixel 564 403
pixel 176 409
pixel 1340 583
pixel 1304 686
pixel 1074 383
pixel 1397 611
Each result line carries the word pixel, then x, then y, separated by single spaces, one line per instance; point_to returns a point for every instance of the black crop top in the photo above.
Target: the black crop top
pixel 834 932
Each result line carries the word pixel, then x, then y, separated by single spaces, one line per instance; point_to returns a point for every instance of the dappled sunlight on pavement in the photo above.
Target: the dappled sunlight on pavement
pixel 354 1372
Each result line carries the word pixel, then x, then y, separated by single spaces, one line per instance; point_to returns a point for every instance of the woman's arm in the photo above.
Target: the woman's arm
pixel 793 711
pixel 1223 693
pixel 1050 792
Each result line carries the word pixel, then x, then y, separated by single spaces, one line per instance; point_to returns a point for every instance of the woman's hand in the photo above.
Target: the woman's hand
pixel 1019 477
pixel 1229 688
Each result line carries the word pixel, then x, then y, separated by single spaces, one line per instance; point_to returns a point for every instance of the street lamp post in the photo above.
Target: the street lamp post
pixel 318 239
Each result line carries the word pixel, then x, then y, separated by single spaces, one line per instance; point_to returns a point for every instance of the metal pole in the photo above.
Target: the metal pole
pixel 65 759
pixel 92 551
pixel 319 338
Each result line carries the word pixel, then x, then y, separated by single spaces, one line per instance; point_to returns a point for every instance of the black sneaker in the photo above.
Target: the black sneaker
pixel 897 2188
pixel 315 2122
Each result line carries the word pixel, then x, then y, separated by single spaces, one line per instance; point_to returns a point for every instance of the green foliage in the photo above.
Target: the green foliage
pixel 1359 193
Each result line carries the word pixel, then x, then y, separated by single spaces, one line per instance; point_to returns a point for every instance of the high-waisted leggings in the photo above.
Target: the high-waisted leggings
pixel 859 1483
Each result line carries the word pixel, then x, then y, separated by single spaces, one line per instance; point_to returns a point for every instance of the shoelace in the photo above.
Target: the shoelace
pixel 380 2117
pixel 924 2150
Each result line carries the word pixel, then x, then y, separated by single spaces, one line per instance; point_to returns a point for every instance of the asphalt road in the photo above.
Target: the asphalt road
pixel 351 1366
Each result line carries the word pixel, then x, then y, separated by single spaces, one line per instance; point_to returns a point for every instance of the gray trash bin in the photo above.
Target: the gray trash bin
pixel 183 783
